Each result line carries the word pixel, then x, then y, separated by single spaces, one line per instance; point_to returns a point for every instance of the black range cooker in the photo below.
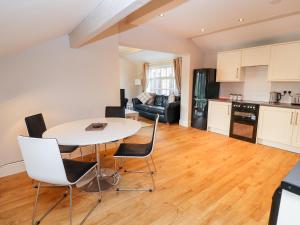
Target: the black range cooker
pixel 244 120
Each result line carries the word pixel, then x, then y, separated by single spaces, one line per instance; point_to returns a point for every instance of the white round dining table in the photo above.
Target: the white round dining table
pixel 74 133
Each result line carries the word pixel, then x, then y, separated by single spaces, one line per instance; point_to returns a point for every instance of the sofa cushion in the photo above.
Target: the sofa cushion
pixel 161 100
pixel 144 97
pixel 142 107
pixel 151 109
pixel 157 109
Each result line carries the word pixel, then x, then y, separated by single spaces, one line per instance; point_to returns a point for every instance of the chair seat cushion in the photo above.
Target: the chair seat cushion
pixel 151 108
pixel 138 150
pixel 67 148
pixel 76 169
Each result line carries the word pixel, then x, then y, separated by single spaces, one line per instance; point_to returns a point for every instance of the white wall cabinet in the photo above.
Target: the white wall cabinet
pixel 219 114
pixel 279 127
pixel 285 62
pixel 257 56
pixel 229 66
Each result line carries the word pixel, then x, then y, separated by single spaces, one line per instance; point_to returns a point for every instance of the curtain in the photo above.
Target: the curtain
pixel 145 76
pixel 177 71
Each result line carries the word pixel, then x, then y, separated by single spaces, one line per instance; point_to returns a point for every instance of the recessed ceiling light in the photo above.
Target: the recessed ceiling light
pixel 161 15
pixel 202 29
pixel 241 19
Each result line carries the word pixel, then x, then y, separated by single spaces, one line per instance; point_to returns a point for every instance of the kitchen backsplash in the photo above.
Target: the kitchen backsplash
pixel 256 87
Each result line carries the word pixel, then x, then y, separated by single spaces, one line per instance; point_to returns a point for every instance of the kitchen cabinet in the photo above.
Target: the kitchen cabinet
pixel 279 127
pixel 257 56
pixel 229 66
pixel 275 124
pixel 219 114
pixel 296 131
pixel 284 62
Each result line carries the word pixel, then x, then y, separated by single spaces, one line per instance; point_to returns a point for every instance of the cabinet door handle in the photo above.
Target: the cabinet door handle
pixel 296 120
pixel 292 115
pixel 228 110
pixel 237 72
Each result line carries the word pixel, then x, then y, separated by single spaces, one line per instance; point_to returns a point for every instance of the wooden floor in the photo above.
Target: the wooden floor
pixel 203 178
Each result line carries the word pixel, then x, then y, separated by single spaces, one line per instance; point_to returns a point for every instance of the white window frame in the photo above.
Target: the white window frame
pixel 160 90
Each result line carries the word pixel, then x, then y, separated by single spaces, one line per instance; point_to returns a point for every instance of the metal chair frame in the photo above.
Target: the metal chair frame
pixel 146 158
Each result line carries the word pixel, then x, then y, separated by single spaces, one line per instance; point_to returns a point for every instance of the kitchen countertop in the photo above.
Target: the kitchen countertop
pixel 280 105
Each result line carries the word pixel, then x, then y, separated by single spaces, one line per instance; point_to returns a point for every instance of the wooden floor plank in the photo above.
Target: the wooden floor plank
pixel 203 178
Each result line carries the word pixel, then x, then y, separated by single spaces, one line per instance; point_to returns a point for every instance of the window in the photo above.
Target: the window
pixel 161 80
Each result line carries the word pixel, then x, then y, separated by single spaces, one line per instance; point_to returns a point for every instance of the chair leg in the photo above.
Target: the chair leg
pixel 35 203
pixel 150 172
pixel 98 183
pixel 70 208
pixel 155 170
pixel 80 149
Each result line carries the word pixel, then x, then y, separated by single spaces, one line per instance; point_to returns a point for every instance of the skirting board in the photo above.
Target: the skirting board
pixel 184 123
pixel 277 145
pixel 18 167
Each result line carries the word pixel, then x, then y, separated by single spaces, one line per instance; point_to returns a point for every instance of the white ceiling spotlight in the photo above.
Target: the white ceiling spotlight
pixel 202 30
pixel 241 20
pixel 161 15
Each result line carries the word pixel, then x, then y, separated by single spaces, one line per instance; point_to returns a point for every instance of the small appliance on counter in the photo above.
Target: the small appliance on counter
pixel 296 99
pixel 275 97
pixel 235 97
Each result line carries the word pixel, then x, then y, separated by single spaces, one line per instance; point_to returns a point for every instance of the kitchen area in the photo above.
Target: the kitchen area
pixel 253 95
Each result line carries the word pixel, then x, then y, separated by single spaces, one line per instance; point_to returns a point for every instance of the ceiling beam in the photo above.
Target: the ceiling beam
pixel 150 10
pixel 107 14
pixel 95 28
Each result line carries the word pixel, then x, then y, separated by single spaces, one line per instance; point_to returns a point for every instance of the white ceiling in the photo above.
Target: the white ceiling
pixel 141 55
pixel 24 23
pixel 188 19
pixel 268 32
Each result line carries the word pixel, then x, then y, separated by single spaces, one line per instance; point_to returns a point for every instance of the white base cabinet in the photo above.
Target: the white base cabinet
pixel 219 114
pixel 279 127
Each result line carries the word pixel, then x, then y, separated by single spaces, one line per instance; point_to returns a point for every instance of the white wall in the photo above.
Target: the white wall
pixel 128 73
pixel 62 83
pixel 150 39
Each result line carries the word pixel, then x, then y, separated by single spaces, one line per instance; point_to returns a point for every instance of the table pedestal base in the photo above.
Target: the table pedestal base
pixel 107 179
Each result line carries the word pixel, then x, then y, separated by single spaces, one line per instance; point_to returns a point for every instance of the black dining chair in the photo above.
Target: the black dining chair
pixel 36 127
pixel 138 151
pixel 115 111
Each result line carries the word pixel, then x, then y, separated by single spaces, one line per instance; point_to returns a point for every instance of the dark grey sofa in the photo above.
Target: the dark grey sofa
pixel 168 112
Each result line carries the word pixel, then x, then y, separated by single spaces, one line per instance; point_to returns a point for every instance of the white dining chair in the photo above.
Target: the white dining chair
pixel 43 163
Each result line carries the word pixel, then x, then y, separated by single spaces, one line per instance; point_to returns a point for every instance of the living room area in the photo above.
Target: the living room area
pixel 151 81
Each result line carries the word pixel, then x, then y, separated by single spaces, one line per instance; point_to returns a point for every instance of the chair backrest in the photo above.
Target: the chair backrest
pixel 42 160
pixel 35 125
pixel 153 140
pixel 115 111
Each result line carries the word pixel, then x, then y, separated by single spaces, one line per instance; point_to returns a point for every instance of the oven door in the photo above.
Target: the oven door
pixel 243 126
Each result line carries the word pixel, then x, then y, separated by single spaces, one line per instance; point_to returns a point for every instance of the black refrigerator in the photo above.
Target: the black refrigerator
pixel 204 87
